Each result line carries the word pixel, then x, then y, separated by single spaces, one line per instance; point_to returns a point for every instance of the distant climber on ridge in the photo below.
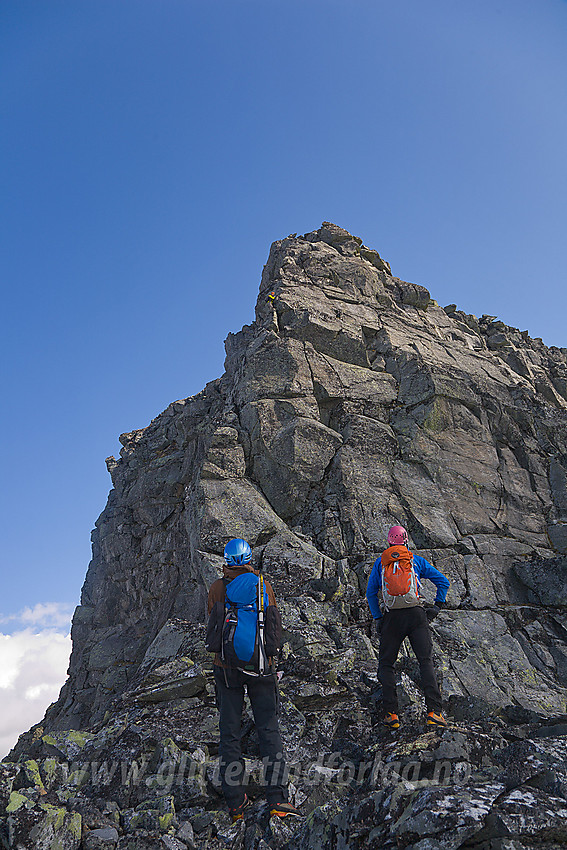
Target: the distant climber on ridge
pixel 397 575
pixel 244 632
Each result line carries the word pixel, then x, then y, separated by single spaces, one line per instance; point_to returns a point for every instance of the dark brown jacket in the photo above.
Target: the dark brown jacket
pixel 217 592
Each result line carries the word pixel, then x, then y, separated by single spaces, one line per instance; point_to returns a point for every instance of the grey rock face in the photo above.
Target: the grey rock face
pixel 351 403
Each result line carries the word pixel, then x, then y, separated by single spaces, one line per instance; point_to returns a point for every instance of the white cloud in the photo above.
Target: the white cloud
pixel 46 615
pixel 33 667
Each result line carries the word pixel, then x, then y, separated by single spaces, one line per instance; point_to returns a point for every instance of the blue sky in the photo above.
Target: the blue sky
pixel 150 152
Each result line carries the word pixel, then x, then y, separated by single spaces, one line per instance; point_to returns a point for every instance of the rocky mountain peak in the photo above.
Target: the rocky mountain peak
pixel 351 403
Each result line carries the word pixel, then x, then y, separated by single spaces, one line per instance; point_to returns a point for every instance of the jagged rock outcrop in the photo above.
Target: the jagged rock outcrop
pixel 353 402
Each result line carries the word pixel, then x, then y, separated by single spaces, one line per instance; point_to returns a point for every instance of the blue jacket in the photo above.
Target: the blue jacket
pixel 423 569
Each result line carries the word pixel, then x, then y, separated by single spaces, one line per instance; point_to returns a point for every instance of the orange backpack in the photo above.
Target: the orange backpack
pixel 400 585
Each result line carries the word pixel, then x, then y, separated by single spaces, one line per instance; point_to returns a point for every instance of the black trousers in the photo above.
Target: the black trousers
pixel 413 624
pixel 230 700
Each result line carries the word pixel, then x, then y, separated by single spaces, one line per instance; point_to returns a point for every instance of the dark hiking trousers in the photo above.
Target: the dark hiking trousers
pixel 413 624
pixel 230 700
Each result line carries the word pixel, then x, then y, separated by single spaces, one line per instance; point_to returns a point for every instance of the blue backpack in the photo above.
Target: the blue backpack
pixel 244 636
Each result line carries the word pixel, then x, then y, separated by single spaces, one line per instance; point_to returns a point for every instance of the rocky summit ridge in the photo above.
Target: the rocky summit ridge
pixel 351 403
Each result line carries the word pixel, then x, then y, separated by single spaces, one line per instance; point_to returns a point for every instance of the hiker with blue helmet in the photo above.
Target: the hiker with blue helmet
pixel 244 632
pixel 396 577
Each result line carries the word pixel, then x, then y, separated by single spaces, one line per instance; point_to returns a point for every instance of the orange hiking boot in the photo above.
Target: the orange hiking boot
pixel 434 719
pixel 237 813
pixel 283 809
pixel 391 720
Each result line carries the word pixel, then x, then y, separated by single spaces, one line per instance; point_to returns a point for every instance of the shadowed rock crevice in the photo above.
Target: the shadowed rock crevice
pixel 351 403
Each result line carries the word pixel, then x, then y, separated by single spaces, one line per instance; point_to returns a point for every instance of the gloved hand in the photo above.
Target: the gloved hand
pixel 378 627
pixel 431 613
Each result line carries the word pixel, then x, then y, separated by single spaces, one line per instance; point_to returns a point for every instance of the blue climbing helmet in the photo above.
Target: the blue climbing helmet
pixel 237 552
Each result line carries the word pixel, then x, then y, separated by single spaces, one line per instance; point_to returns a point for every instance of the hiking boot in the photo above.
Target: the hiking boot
pixel 391 720
pixel 434 719
pixel 283 809
pixel 237 813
